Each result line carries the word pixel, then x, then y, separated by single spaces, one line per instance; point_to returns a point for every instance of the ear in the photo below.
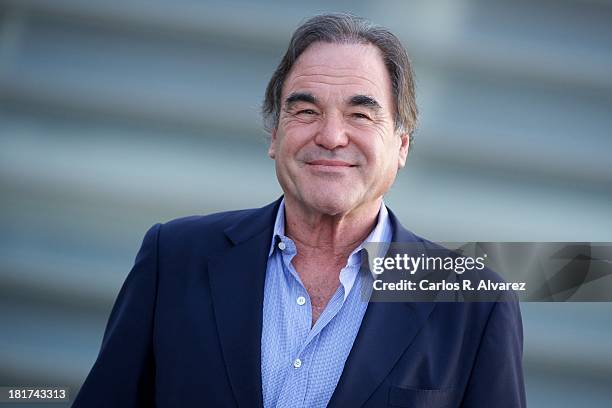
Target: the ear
pixel 272 147
pixel 403 149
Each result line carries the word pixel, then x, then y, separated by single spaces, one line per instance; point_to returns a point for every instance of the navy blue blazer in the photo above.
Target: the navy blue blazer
pixel 185 331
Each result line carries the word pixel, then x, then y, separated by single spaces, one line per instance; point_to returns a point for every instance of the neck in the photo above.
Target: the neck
pixel 335 235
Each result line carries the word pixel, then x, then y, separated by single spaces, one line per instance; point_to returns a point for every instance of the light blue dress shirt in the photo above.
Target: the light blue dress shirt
pixel 300 364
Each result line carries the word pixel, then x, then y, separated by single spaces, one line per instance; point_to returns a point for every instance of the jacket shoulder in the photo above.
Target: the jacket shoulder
pixel 217 221
pixel 205 232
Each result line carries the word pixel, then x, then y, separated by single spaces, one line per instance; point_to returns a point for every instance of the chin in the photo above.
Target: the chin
pixel 331 202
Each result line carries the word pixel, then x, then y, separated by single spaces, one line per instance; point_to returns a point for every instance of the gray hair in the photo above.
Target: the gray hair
pixel 341 28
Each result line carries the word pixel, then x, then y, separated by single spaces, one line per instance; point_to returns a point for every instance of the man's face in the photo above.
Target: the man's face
pixel 335 146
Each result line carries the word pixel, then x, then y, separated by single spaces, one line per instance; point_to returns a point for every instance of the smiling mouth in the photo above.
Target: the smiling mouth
pixel 330 163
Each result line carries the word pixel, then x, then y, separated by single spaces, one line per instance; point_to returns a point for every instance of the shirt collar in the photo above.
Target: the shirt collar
pixel 381 233
pixel 279 226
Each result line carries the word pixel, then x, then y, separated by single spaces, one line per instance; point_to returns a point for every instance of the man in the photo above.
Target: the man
pixel 263 307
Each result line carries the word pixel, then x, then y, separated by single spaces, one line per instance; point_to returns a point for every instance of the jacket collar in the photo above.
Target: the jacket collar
pixel 253 222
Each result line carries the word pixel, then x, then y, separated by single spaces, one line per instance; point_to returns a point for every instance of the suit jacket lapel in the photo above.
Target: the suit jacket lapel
pixel 386 332
pixel 237 279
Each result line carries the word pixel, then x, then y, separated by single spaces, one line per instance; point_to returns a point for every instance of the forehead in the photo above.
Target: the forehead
pixel 330 70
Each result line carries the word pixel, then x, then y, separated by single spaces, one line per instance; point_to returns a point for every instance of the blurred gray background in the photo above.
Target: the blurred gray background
pixel 117 114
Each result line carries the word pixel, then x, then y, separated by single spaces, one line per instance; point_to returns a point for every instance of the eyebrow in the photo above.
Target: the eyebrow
pixel 296 97
pixel 365 101
pixel 356 100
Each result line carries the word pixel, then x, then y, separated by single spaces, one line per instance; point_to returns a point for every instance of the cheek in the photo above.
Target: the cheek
pixel 383 160
pixel 375 152
pixel 293 141
pixel 288 148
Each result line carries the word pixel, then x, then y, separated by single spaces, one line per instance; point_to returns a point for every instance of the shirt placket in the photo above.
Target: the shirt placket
pixel 294 387
pixel 304 338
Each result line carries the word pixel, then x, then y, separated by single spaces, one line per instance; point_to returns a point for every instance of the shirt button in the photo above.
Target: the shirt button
pixel 297 363
pixel 301 300
pixel 282 246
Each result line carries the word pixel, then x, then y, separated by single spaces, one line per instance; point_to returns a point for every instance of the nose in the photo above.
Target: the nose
pixel 332 133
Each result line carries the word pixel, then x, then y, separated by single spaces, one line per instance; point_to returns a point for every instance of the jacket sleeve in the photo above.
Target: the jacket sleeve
pixel 124 372
pixel 497 376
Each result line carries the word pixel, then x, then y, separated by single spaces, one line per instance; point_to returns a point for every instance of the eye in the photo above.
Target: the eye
pixel 359 115
pixel 306 112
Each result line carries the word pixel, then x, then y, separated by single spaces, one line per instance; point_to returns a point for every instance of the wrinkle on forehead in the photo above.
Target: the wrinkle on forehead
pixel 358 66
pixel 331 79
